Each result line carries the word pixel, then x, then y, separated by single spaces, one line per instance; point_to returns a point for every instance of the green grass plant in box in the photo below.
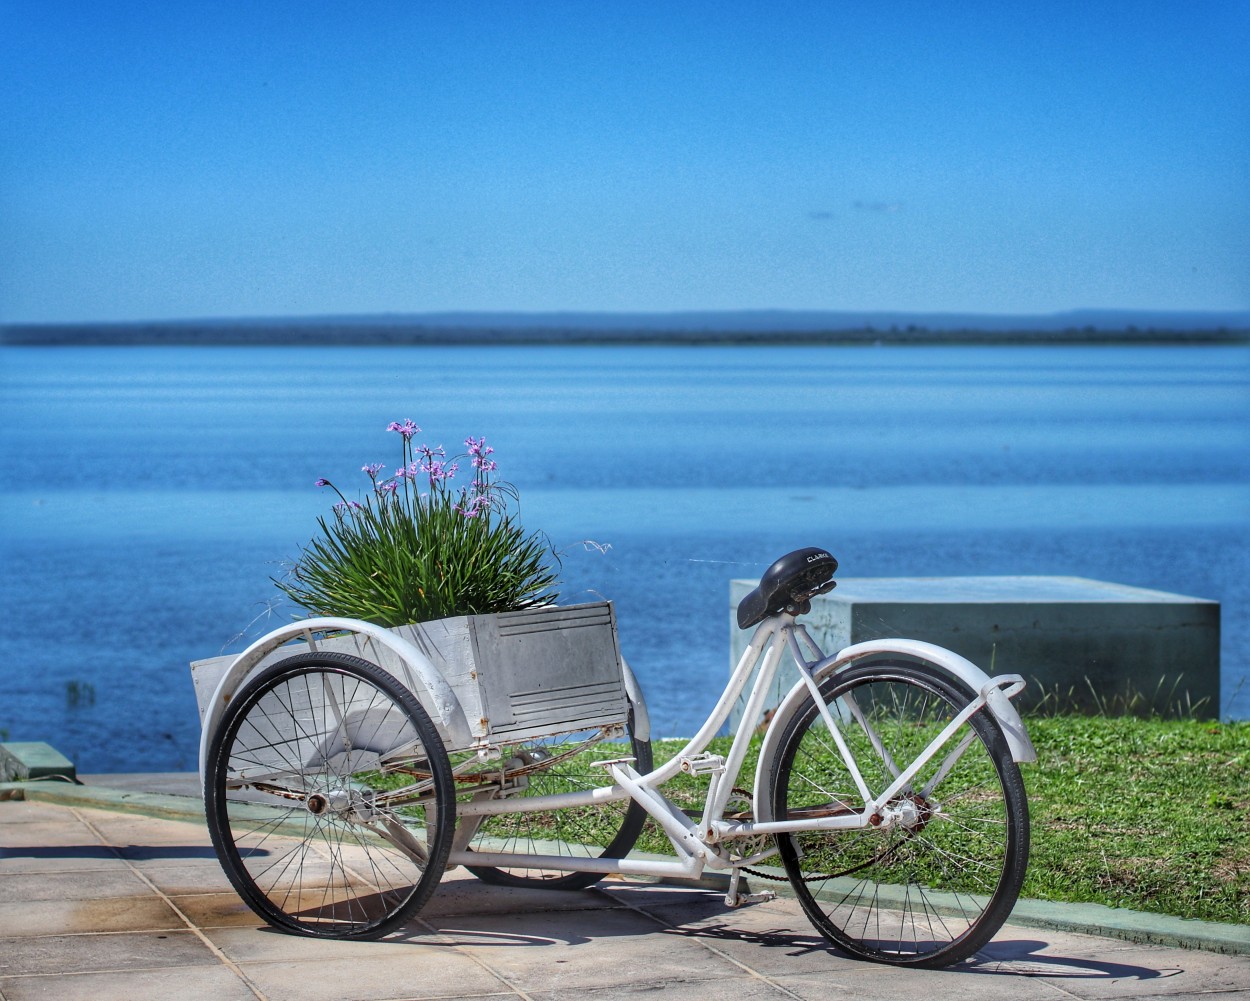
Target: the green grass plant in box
pixel 419 547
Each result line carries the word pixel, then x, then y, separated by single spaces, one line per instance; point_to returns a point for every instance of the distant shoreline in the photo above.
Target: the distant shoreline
pixel 400 334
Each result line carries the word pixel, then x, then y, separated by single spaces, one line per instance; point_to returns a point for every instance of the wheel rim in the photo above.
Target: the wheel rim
pixel 308 841
pixel 935 879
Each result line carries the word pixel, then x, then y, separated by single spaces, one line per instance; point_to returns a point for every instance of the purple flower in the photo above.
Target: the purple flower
pixel 433 465
pixel 478 451
pixel 389 488
pixel 476 506
pixel 407 429
pixel 372 469
pixel 323 482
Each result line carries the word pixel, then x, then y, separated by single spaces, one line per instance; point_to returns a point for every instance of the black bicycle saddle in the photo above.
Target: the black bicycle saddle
pixel 790 581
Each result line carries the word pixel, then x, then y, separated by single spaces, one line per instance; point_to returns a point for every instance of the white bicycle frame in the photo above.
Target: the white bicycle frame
pixel 711 841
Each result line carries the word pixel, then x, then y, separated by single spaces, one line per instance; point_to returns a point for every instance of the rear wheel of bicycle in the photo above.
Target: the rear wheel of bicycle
pixel 932 885
pixel 296 804
pixel 562 764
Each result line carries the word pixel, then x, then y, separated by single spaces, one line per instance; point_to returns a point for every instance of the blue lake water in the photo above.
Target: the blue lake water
pixel 147 495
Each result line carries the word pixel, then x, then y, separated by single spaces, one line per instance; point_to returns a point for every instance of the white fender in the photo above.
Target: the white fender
pixel 963 669
pixel 420 676
pixel 633 691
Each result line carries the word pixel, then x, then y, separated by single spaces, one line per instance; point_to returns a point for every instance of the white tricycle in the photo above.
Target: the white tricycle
pixel 345 766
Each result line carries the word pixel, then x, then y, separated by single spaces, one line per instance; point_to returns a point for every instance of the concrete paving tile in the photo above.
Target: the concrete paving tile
pixel 89 885
pixel 418 972
pixel 20 811
pixel 259 943
pixel 125 829
pixel 63 832
pixel 183 876
pixel 218 983
pixel 217 910
pixel 86 953
pixel 606 948
pixel 73 917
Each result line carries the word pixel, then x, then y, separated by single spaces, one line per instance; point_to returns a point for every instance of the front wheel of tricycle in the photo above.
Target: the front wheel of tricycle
pixel 937 871
pixel 329 797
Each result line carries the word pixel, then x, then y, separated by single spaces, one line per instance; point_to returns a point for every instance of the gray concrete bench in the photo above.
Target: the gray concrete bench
pixel 1057 632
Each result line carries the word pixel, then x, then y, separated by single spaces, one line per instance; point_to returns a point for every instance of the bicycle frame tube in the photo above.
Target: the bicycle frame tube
pixel 695 844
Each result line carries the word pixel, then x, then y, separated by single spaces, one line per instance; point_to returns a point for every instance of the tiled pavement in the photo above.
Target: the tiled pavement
pixel 101 904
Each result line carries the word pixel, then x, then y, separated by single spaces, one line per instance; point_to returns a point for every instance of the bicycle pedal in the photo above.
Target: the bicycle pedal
pixel 702 764
pixel 742 899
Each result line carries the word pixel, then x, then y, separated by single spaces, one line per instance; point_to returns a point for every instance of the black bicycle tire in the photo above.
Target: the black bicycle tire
pixel 1015 854
pixel 436 762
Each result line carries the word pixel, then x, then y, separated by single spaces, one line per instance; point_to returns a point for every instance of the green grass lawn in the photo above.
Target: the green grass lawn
pixel 1148 814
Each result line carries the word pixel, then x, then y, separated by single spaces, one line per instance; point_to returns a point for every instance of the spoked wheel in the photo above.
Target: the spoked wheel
pixel 296 801
pixel 561 764
pixel 934 882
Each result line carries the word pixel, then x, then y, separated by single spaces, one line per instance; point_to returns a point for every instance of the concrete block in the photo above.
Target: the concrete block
pixel 1062 634
pixel 22 761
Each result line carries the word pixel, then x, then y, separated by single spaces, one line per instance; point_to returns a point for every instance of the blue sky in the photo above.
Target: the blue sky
pixel 165 160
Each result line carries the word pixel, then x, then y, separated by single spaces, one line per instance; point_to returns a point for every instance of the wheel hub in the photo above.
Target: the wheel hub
pixel 914 812
pixel 320 803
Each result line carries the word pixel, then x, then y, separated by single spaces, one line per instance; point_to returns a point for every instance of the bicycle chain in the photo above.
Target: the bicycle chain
pixel 884 856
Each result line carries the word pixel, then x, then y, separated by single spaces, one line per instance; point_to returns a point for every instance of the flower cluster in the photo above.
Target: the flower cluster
pixel 419 546
pixel 431 463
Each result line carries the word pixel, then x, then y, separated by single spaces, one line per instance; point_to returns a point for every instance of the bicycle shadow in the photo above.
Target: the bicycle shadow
pixel 697 914
pixel 1002 958
pixel 1025 958
pixel 133 853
